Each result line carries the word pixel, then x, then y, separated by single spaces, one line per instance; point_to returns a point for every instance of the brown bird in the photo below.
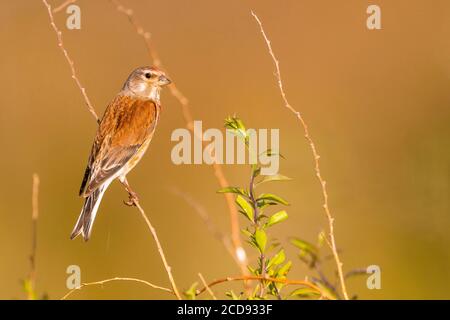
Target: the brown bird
pixel 123 136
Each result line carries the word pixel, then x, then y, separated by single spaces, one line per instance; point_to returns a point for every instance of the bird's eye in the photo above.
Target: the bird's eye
pixel 148 75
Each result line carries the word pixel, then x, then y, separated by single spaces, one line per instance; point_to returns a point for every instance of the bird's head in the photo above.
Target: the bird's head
pixel 146 82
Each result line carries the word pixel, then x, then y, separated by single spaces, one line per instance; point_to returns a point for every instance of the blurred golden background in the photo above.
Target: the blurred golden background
pixel 377 103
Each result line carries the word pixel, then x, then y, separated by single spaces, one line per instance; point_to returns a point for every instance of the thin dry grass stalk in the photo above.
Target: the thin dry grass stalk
pixel 203 214
pixel 34 219
pixel 239 251
pixel 316 156
pixel 116 279
pixel 63 5
pixel 160 249
pixel 205 284
pixel 70 61
pixel 92 111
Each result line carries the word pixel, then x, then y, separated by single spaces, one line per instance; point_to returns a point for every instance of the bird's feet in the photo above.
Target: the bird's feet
pixel 132 198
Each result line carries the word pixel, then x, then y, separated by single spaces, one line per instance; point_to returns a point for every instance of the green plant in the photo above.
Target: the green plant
pixel 313 257
pixel 272 266
pixel 255 208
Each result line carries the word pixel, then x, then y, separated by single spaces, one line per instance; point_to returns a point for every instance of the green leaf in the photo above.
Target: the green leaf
pixel 305 292
pixel 256 171
pixel 235 190
pixel 28 288
pixel 272 246
pixel 252 270
pixel 326 291
pixel 277 259
pixel 246 207
pixel 232 295
pixel 304 245
pixel 260 240
pixel 321 238
pixel 254 295
pixel 308 253
pixel 236 126
pixel 246 232
pixel 191 293
pixel 273 198
pixel 276 177
pixel 271 153
pixel 262 204
pixel 277 218
pixel 283 271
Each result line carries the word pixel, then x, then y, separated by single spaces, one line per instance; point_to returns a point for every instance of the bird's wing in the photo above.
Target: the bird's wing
pixel 128 122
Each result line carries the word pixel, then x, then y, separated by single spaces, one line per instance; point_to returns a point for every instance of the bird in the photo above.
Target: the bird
pixel 123 135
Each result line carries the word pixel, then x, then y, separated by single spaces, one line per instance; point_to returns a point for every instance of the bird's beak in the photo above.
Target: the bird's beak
pixel 163 80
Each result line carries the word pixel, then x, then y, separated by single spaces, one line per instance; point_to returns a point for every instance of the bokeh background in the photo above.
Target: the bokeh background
pixel 377 103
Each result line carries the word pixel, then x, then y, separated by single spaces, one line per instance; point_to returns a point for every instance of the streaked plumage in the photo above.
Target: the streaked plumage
pixel 122 138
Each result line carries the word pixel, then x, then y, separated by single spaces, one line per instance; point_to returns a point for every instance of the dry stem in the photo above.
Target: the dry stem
pixel 70 61
pixel 116 279
pixel 160 250
pixel 34 219
pixel 205 284
pixel 63 5
pixel 92 111
pixel 203 214
pixel 315 155
pixel 239 252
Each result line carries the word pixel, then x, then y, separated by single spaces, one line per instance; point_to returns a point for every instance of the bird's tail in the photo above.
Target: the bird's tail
pixel 87 216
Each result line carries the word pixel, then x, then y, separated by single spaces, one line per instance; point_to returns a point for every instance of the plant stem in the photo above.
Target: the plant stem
pixel 262 258
pixel 117 279
pixel 252 198
pixel 34 218
pixel 160 250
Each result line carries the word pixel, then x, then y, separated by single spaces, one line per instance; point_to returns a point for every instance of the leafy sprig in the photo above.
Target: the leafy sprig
pixel 254 207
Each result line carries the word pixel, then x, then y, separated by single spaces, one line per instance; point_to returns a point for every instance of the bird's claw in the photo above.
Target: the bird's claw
pixel 132 199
